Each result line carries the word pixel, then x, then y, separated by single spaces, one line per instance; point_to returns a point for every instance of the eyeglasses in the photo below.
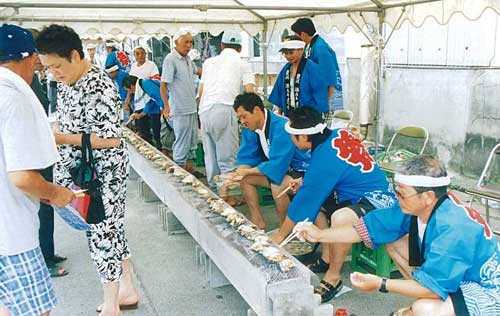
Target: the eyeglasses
pixel 399 195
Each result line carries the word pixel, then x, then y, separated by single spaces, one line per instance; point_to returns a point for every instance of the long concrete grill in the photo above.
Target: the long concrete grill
pixel 268 290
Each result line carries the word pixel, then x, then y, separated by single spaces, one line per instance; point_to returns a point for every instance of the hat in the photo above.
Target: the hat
pixel 292 44
pixel 139 46
pixel 15 42
pixel 110 43
pixel 111 68
pixel 91 46
pixel 231 37
pixel 181 32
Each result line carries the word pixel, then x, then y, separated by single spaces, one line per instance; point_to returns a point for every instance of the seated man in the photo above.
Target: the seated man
pixel 297 83
pixel 147 106
pixel 342 178
pixel 446 250
pixel 265 156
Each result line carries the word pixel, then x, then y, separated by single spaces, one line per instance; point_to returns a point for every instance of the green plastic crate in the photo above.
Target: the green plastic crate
pixel 199 157
pixel 376 261
pixel 265 196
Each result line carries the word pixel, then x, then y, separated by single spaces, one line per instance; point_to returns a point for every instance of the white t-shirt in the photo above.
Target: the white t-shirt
pixel 26 143
pixel 223 78
pixel 262 137
pixel 147 70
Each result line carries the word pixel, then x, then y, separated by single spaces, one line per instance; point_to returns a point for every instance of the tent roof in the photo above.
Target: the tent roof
pixel 120 18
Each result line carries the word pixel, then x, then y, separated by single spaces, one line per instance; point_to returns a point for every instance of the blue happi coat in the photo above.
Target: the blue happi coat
pixel 282 152
pixel 119 58
pixel 118 81
pixel 322 54
pixel 460 247
pixel 150 95
pixel 340 164
pixel 313 91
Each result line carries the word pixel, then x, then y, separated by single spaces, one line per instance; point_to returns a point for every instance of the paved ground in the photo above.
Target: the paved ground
pixel 167 277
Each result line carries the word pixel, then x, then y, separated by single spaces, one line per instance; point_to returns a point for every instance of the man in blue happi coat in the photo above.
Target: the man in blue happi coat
pixel 147 107
pixel 298 82
pixel 266 157
pixel 342 183
pixel 318 50
pixel 446 250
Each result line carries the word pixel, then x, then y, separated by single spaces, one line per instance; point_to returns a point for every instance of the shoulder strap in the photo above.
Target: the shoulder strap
pixel 87 156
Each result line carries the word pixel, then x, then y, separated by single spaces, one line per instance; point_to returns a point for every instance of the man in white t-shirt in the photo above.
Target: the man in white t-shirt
pixel 224 77
pixel 143 68
pixel 25 286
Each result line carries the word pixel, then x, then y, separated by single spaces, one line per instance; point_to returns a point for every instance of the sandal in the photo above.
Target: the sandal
pixel 124 307
pixel 328 290
pixel 319 266
pixel 401 311
pixel 55 271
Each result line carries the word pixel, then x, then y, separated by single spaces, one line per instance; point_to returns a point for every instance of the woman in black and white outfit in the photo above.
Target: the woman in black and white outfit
pixel 89 103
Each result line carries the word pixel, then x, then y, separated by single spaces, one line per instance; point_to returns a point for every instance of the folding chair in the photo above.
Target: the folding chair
pixel 487 186
pixel 391 158
pixel 341 119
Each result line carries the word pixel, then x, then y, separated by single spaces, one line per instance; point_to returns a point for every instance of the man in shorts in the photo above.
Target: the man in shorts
pixel 342 180
pixel 26 146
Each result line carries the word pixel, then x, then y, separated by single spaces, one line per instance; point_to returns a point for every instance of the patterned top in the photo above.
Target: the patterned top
pixel 91 105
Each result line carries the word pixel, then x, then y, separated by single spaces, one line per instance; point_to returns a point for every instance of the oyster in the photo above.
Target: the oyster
pixel 189 179
pixel 286 265
pixel 246 230
pixel 236 219
pixel 228 211
pixel 273 254
pixel 259 245
pixel 217 205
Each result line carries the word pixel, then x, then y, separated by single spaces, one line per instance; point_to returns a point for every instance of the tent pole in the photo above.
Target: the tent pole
pixel 264 59
pixel 380 47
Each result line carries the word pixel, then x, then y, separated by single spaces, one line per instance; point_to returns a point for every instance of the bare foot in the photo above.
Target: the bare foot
pixel 126 303
pixel 111 312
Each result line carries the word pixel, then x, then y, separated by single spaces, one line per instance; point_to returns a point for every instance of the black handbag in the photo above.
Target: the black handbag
pixel 85 177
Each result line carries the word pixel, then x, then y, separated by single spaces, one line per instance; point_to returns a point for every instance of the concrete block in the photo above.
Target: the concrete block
pixel 171 224
pixel 146 193
pixel 215 277
pixel 132 175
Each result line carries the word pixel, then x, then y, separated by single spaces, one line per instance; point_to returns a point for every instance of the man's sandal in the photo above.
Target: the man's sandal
pixel 55 271
pixel 328 290
pixel 401 311
pixel 124 307
pixel 319 266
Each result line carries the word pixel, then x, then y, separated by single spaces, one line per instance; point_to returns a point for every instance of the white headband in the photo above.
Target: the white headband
pixel 112 68
pixel 319 128
pixel 292 44
pixel 422 181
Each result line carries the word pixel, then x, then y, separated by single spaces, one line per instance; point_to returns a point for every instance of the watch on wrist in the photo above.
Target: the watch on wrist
pixel 383 288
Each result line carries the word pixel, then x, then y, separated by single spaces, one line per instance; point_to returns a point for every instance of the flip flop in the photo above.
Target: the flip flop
pixel 319 266
pixel 328 290
pixel 124 307
pixel 58 259
pixel 401 311
pixel 56 271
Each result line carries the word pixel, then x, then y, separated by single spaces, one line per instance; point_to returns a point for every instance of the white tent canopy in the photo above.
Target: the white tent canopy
pixel 119 18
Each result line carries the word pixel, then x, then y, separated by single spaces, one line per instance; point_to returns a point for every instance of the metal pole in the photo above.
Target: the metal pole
pixel 380 48
pixel 264 58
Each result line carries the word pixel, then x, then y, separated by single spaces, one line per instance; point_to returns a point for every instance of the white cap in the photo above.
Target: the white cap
pixel 139 46
pixel 91 46
pixel 181 32
pixel 110 43
pixel 292 44
pixel 231 37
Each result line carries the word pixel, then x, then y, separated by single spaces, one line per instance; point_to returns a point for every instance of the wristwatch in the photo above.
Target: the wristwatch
pixel 383 289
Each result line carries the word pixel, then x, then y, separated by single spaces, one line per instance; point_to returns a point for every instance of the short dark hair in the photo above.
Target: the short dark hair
pixel 129 81
pixel 304 25
pixel 248 101
pixel 304 117
pixel 60 40
pixel 233 46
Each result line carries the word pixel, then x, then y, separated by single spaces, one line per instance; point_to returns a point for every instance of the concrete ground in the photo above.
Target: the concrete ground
pixel 167 277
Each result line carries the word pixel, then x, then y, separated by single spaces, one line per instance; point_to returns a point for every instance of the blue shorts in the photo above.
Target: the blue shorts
pixel 25 285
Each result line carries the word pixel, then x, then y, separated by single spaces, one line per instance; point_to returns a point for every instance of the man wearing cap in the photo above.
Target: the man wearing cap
pixel 342 183
pixel 116 57
pixel 267 156
pixel 447 252
pixel 117 75
pixel 318 50
pixel 25 286
pixel 297 84
pixel 180 100
pixel 223 78
pixel 91 51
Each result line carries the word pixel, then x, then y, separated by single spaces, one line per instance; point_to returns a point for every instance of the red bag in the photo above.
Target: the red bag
pixel 81 203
